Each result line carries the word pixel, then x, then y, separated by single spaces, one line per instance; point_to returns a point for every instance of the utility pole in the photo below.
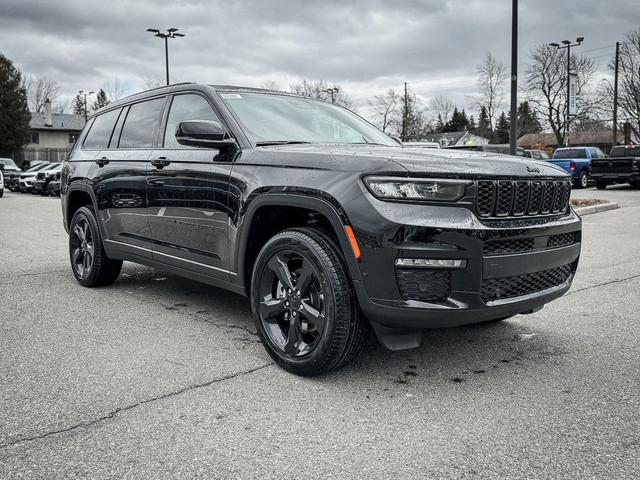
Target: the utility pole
pixel 82 92
pixel 514 78
pixel 615 98
pixel 405 113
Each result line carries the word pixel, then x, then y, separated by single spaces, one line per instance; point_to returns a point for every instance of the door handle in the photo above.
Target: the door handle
pixel 160 163
pixel 102 161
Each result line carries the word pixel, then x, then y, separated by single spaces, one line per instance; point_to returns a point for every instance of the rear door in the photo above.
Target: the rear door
pixel 187 191
pixel 120 174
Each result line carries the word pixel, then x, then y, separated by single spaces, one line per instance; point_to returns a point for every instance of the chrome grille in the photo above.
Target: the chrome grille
pixel 517 198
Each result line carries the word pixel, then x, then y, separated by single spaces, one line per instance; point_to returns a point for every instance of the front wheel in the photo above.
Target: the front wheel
pixel 89 262
pixel 303 303
pixel 601 184
pixel 582 181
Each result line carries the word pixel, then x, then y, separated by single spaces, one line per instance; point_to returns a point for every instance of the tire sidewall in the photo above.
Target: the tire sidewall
pixel 86 214
pixel 306 247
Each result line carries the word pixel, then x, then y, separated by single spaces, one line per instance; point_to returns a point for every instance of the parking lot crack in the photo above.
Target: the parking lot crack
pixel 125 408
pixel 604 284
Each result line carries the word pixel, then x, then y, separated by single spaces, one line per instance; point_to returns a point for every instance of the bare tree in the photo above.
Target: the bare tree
pixel 320 89
pixel 491 77
pixel 442 108
pixel 271 85
pixel 151 82
pixel 628 83
pixel 39 89
pixel 387 110
pixel 546 87
pixel 114 90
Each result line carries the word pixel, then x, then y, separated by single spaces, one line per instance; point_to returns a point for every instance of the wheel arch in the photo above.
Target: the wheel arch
pixel 78 195
pixel 271 213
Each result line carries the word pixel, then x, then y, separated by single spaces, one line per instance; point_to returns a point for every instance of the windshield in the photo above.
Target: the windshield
pixel 570 153
pixel 8 162
pixel 273 119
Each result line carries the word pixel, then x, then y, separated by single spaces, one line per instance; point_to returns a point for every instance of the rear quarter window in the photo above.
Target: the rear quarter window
pixel 141 126
pixel 101 130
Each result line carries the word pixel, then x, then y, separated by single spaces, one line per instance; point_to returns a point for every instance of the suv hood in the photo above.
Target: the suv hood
pixel 420 162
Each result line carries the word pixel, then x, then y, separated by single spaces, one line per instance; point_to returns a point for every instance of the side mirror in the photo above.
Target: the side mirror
pixel 202 133
pixel 396 139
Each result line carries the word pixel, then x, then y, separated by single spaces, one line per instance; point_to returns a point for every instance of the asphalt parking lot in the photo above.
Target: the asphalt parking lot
pixel 162 377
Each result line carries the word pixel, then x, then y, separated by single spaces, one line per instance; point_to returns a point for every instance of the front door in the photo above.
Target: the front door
pixel 187 189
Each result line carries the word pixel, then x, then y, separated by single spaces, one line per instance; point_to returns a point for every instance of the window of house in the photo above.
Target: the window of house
pixel 35 137
pixel 184 108
pixel 141 126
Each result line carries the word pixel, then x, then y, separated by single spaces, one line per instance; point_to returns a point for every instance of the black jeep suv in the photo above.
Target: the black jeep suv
pixel 326 223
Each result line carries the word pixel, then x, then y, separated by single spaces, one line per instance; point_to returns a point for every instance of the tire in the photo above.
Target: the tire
pixel 303 303
pixel 1 193
pixel 601 184
pixel 582 180
pixel 89 262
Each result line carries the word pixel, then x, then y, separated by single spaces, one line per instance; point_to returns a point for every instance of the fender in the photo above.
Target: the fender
pixel 331 210
pixel 78 186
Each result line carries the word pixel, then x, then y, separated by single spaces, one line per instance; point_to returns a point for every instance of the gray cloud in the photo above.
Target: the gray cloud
pixel 367 46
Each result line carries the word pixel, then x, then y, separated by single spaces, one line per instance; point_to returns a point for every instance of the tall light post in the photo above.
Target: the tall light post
pixel 332 91
pixel 82 92
pixel 513 131
pixel 567 44
pixel 171 33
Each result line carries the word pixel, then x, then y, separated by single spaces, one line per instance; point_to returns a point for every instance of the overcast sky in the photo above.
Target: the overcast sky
pixel 366 46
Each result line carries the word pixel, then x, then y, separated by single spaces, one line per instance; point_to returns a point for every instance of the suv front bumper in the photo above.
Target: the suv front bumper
pixel 507 266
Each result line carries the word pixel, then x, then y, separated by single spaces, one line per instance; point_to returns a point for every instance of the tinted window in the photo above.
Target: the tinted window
pixel 141 126
pixel 570 153
pixel 100 133
pixel 183 108
pixel 630 151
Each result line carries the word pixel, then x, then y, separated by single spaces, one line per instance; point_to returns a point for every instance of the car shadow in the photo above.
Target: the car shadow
pixel 458 355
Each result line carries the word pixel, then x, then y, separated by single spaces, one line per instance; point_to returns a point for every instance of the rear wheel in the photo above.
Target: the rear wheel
pixel 582 181
pixel 89 262
pixel 601 184
pixel 303 303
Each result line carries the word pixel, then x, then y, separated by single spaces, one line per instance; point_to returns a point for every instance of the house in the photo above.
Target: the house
pixel 455 138
pixel 52 136
pixel 601 139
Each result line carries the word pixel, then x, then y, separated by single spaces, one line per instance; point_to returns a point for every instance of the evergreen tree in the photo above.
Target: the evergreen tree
pixel 484 125
pixel 101 100
pixel 501 135
pixel 439 124
pixel 472 124
pixel 14 112
pixel 458 122
pixel 78 105
pixel 527 120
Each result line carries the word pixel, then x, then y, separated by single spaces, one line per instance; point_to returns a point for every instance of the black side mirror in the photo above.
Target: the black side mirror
pixel 202 133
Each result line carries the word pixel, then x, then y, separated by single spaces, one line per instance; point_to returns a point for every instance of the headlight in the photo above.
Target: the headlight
pixel 438 190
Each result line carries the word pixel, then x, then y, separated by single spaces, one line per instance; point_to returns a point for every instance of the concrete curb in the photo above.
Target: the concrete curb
pixel 596 208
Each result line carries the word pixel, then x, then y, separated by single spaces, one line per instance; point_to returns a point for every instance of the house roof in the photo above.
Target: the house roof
pixel 61 121
pixel 599 137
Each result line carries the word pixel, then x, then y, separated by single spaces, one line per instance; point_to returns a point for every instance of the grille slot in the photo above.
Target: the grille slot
pixel 509 287
pixel 500 247
pixel 424 285
pixel 563 239
pixel 517 198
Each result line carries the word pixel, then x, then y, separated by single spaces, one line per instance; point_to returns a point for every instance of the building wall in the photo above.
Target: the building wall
pixel 52 139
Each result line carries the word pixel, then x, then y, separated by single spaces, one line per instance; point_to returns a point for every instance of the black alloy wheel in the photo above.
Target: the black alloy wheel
pixel 89 262
pixel 303 303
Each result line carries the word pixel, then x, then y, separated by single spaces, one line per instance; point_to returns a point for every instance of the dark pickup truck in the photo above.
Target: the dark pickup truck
pixel 621 167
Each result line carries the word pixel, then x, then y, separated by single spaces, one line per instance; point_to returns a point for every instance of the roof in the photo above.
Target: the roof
pixel 61 121
pixel 577 138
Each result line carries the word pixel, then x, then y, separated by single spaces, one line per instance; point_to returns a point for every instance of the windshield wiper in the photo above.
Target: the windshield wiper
pixel 279 142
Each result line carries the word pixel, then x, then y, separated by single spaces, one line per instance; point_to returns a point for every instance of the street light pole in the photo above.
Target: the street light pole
pixel 615 98
pixel 82 92
pixel 514 79
pixel 171 33
pixel 567 44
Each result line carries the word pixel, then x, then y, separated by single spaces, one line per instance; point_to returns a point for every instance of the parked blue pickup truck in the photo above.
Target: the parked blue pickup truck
pixel 576 161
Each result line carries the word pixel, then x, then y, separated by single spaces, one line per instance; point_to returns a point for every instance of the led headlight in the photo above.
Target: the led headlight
pixel 439 190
